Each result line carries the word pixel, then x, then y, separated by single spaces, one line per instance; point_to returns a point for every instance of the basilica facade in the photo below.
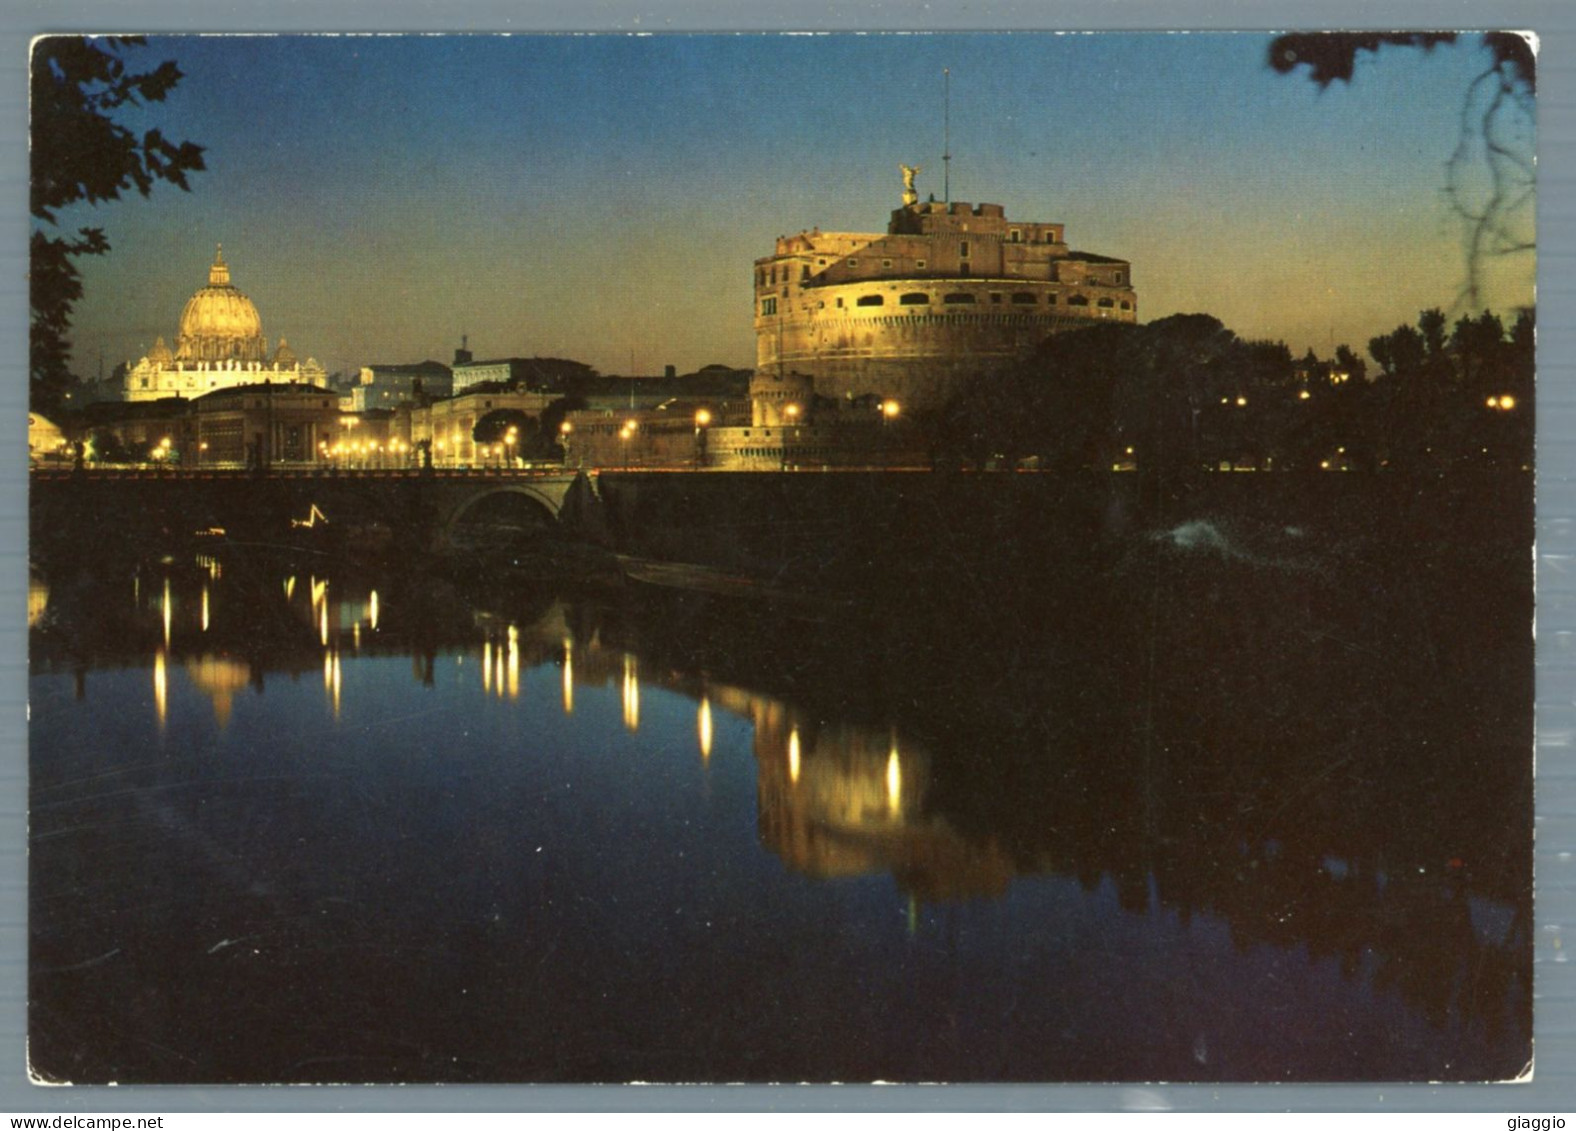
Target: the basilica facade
pixel 220 346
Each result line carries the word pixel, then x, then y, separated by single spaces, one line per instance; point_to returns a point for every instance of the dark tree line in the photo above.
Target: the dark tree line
pixel 1184 394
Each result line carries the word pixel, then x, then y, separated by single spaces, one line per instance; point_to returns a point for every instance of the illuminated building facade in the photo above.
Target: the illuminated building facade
pixel 220 345
pixel 948 291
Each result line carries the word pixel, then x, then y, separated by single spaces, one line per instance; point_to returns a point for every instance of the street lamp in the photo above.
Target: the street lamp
pixel 889 412
pixel 702 419
pixel 564 430
pixel 792 413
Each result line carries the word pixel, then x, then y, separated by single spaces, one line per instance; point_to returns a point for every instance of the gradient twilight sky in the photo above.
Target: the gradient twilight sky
pixel 603 197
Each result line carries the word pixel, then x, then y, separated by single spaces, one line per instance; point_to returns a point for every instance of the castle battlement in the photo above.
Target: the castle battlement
pixel 950 290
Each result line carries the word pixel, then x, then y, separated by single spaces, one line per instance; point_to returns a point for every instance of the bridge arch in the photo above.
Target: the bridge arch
pixel 519 506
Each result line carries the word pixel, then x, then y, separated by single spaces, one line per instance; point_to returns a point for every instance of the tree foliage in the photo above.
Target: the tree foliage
pixel 1185 395
pixel 82 154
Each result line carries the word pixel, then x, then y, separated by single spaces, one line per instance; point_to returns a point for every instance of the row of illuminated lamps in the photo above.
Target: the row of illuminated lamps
pixel 357 447
pixel 889 409
pixel 1502 403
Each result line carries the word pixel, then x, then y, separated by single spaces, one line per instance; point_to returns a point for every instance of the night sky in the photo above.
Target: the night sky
pixel 603 197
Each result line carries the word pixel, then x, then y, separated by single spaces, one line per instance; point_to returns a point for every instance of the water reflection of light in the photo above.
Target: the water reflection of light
pixel 164 606
pixel 631 692
pixel 569 676
pixel 289 587
pixel 161 688
pixel 372 610
pixel 894 781
pixel 498 660
pixel 703 724
pixel 793 755
pixel 220 678
pixel 319 591
pixel 513 667
pixel 331 679
pixel 487 665
pixel 205 607
pixel 322 623
pixel 355 636
pixel 37 599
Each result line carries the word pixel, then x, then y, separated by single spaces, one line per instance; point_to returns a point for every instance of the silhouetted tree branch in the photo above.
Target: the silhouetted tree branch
pixel 80 153
pixel 1499 102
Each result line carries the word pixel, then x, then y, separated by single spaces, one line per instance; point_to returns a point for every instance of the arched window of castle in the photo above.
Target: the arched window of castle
pixel 1126 305
pixel 914 298
pixel 1023 298
pixel 871 300
pixel 1107 302
pixel 1078 300
pixel 957 297
pixel 1015 236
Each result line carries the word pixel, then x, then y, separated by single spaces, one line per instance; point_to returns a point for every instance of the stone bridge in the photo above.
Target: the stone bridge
pixel 433 508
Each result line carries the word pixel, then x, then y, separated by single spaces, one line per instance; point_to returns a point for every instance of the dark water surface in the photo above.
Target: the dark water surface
pixel 1232 797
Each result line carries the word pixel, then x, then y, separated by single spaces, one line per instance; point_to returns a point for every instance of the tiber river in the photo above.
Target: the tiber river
pixel 1251 802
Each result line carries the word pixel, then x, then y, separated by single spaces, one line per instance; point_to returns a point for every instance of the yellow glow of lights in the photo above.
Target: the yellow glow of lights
pixel 161 688
pixel 355 636
pixel 702 418
pixel 793 755
pixel 566 427
pixel 889 409
pixel 322 623
pixel 703 726
pixel 894 782
pixel 338 680
pixel 205 608
pixel 1242 402
pixel 1504 403
pixel 289 587
pixel 1304 395
pixel 514 662
pixel 319 591
pixel 164 608
pixel 487 665
pixel 372 610
pixel 631 692
pixel 569 676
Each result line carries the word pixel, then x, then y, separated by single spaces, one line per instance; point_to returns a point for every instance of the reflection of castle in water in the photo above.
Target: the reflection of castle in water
pixel 839 799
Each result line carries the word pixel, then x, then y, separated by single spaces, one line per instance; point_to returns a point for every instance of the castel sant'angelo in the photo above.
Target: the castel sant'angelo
pixel 949 291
